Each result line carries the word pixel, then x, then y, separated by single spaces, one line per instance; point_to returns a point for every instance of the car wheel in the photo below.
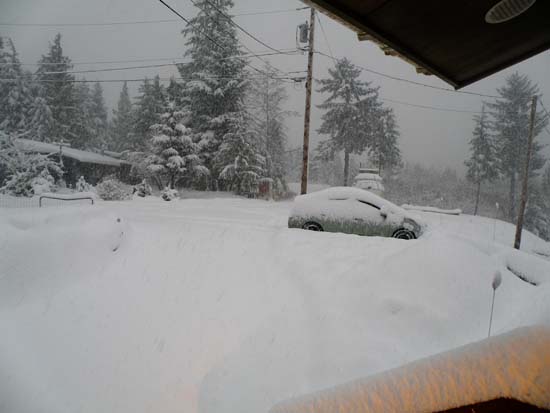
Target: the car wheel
pixel 403 233
pixel 312 226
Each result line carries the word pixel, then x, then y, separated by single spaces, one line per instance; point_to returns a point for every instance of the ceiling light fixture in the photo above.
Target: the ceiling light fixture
pixel 507 10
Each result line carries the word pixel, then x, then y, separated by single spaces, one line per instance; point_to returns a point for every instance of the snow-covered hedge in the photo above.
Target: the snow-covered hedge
pixel 111 190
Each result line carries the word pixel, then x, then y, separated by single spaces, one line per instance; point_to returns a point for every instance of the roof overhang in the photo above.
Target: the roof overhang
pixel 449 39
pixel 506 373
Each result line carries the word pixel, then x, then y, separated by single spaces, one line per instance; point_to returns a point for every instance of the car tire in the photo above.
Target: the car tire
pixel 312 226
pixel 403 233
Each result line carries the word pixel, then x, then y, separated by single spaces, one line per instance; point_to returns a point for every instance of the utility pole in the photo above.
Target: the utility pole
pixel 307 115
pixel 525 189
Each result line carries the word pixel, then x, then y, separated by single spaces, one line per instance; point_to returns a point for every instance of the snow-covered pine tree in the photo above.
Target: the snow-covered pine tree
pixel 15 95
pixel 326 165
pixel 59 92
pixel 99 121
pixel 510 126
pixel 174 154
pixel 240 163
pixel 215 78
pixel 537 212
pixel 384 149
pixel 84 128
pixel 352 111
pixel 26 174
pixel 266 97
pixel 122 127
pixel 483 163
pixel 151 103
pixel 41 120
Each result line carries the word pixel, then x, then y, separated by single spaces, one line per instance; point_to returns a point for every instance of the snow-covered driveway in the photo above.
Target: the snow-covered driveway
pixel 213 305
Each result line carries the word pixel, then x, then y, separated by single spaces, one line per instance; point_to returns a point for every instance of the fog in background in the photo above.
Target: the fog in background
pixel 433 138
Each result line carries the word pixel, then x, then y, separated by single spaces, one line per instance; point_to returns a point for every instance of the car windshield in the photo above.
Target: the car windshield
pixel 213 206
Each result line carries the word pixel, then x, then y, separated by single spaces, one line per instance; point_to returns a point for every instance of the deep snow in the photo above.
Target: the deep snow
pixel 213 305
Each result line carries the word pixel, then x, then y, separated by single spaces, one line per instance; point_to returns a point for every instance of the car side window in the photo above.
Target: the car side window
pixel 368 203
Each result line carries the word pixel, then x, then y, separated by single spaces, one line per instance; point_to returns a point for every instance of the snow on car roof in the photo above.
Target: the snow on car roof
pixel 368 177
pixel 347 192
pixel 513 365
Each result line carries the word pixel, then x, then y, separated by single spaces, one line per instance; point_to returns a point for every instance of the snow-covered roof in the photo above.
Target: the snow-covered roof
pixel 77 154
pixel 368 177
pixel 515 365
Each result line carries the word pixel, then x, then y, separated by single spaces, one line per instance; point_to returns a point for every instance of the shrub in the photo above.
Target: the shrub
pixel 82 185
pixel 111 190
pixel 143 189
pixel 169 194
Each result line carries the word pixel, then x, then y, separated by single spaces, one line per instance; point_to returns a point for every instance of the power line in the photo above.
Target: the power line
pixel 162 79
pixel 234 24
pixel 238 26
pixel 122 23
pixel 400 102
pixel 114 69
pixel 152 59
pixel 400 79
pixel 429 107
pixel 210 38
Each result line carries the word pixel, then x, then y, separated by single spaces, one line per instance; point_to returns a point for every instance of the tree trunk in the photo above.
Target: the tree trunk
pixel 512 198
pixel 477 197
pixel 346 167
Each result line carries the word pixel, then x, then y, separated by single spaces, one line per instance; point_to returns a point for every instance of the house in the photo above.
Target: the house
pixel 76 163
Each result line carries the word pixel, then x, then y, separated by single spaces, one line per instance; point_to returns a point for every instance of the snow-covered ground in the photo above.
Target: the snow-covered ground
pixel 214 305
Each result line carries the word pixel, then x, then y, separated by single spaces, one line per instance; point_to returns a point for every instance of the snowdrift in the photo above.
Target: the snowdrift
pixel 214 305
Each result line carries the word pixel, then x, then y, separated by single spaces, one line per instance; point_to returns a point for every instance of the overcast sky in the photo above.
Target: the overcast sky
pixel 429 137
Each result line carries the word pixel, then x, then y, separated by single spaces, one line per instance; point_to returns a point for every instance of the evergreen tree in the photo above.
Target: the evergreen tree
pixel 537 212
pixel 352 111
pixel 214 85
pixel 59 92
pixel 267 97
pixel 511 119
pixel 41 122
pixel 26 174
pixel 482 165
pixel 385 148
pixel 174 153
pixel 241 165
pixel 83 130
pixel 151 103
pixel 123 123
pixel 15 96
pixel 98 113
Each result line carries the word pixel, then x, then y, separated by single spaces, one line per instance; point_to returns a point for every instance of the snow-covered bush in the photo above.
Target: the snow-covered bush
pixel 169 194
pixel 26 174
pixel 174 154
pixel 143 189
pixel 111 190
pixel 82 185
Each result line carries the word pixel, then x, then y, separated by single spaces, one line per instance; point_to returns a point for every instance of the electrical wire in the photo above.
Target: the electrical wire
pixel 400 79
pixel 162 79
pixel 210 38
pixel 238 26
pixel 153 59
pixel 269 12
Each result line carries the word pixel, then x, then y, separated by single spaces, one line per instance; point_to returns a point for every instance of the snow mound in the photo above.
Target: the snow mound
pixel 514 365
pixel 43 249
pixel 431 209
pixel 527 267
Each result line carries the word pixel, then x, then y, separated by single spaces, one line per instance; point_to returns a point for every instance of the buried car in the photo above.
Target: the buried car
pixel 353 211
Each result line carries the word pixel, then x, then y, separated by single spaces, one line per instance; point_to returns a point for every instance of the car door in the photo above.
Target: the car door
pixel 368 219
